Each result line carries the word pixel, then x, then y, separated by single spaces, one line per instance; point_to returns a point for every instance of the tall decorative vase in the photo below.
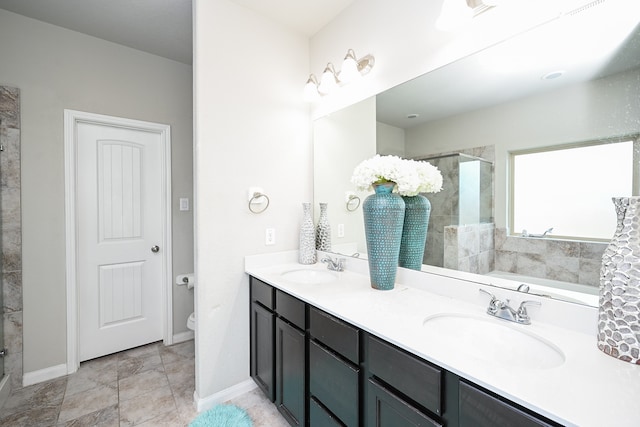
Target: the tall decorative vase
pixel 618 317
pixel 307 248
pixel 383 219
pixel 323 230
pixel 414 231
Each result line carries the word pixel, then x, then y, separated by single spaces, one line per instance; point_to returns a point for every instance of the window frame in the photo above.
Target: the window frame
pixel 635 187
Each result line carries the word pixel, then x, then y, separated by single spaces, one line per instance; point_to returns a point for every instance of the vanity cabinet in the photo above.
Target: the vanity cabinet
pixel 479 408
pixel 334 371
pixel 278 349
pixel 321 371
pixel 402 390
pixel 291 358
pixel 262 329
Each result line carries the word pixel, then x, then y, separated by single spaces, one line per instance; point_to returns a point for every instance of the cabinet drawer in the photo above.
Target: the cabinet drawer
pixel 385 409
pixel 334 333
pixel 291 309
pixel 320 417
pixel 411 376
pixel 262 293
pixel 480 409
pixel 334 382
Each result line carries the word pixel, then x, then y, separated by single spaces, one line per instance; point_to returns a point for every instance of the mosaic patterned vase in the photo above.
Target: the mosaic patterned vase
pixel 307 249
pixel 323 230
pixel 414 231
pixel 619 314
pixel 383 219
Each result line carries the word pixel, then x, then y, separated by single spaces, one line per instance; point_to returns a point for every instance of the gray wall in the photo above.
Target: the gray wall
pixel 57 69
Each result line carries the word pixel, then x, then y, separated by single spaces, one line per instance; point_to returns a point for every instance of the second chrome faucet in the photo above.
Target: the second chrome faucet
pixel 502 309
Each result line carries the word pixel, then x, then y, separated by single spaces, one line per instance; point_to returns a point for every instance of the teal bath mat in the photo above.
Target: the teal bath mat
pixel 223 416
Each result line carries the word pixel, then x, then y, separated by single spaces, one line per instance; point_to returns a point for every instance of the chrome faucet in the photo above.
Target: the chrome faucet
pixel 334 265
pixel 526 234
pixel 502 310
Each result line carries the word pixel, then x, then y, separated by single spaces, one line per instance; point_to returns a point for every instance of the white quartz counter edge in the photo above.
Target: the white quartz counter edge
pixel 588 389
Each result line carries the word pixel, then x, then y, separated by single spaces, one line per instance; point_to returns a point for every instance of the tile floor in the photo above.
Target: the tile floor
pixel 146 386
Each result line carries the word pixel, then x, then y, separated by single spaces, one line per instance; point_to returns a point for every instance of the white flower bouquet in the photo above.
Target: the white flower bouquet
pixel 411 177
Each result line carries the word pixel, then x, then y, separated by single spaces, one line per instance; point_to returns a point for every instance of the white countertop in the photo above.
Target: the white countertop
pixel 588 389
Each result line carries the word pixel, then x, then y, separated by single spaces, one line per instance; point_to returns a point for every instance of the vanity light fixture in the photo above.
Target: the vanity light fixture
pixel 329 80
pixel 455 14
pixel 311 93
pixel 352 69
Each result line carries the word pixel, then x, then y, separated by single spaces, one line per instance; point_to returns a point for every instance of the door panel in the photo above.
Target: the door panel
pixel 119 220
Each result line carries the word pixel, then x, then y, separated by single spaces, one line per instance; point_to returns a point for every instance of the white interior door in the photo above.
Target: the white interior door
pixel 119 217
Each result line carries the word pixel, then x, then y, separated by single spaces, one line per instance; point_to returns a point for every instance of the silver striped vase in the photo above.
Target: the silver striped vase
pixel 619 308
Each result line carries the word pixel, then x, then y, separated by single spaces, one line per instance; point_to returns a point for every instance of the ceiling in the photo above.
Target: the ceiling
pixel 164 27
pixel 517 68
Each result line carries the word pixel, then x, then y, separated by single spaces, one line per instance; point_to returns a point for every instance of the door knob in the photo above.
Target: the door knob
pixel 155 249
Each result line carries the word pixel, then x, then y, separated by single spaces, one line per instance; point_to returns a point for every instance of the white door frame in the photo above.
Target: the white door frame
pixel 71 119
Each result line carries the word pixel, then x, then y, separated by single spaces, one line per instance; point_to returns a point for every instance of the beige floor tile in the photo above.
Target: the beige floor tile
pixel 46 394
pixel 172 419
pixel 134 365
pixel 141 383
pixel 77 405
pixel 41 416
pixel 177 352
pixel 147 406
pixel 107 417
pixel 148 386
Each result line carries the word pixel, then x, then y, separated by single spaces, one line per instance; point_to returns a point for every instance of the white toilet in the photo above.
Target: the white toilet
pixel 191 322
pixel 189 280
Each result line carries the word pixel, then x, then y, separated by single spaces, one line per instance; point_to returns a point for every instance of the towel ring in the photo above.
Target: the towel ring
pixel 254 199
pixel 353 203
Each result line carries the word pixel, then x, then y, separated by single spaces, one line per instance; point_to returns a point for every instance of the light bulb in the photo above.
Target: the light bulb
pixel 311 93
pixel 349 71
pixel 328 81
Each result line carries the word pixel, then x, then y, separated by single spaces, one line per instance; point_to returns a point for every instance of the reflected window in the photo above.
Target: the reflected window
pixel 569 188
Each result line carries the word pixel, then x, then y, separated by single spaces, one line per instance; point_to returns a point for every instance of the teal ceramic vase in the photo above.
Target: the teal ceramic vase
pixel 414 231
pixel 383 219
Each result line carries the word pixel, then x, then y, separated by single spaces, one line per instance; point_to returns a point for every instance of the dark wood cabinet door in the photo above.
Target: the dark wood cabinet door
pixel 385 409
pixel 290 372
pixel 262 349
pixel 480 409
pixel 334 382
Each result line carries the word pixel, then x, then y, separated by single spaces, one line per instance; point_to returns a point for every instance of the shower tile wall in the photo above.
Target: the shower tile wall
pixel 469 248
pixel 445 205
pixel 11 232
pixel 567 261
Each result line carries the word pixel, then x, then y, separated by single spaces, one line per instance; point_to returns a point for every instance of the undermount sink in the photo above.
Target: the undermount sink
pixel 310 276
pixel 492 341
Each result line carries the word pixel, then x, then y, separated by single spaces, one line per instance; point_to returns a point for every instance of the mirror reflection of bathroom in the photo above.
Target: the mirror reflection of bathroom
pixel 461 221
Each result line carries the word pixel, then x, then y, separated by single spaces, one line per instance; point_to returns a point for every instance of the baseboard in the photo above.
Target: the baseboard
pixel 5 389
pixel 35 377
pixel 204 403
pixel 183 336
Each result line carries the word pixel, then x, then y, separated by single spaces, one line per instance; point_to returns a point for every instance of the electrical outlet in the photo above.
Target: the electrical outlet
pixel 270 236
pixel 340 230
pixel 184 204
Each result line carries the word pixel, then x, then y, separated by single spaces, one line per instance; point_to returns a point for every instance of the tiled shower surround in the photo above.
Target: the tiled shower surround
pixel 563 260
pixel 11 232
pixel 481 249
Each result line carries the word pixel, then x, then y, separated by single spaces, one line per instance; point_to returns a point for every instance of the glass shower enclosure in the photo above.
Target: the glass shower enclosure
pixel 466 199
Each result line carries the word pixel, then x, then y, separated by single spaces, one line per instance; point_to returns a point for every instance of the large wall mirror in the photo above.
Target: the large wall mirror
pixel 574 81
